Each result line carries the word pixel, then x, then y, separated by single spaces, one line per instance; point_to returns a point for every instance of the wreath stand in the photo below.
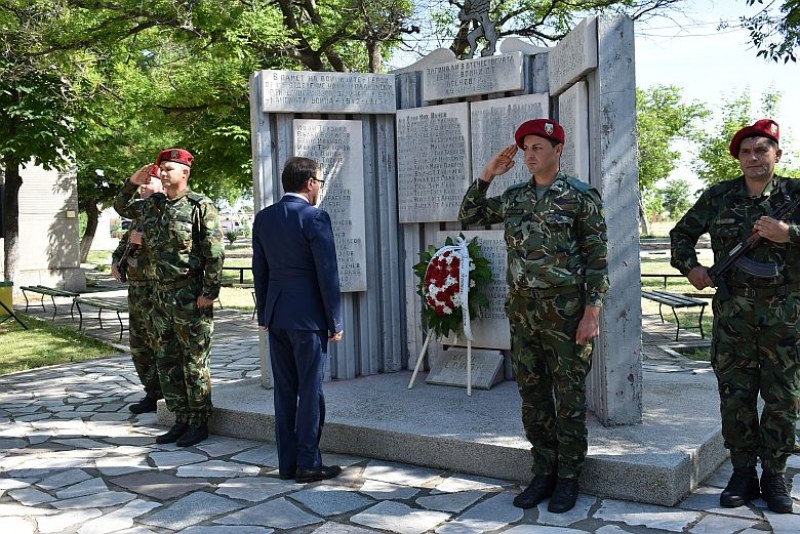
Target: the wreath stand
pixel 422 355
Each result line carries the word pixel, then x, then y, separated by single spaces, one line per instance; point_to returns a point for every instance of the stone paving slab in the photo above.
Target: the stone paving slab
pixel 54 450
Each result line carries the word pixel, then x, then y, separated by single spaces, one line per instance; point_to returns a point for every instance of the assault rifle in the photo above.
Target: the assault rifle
pixel 122 264
pixel 736 255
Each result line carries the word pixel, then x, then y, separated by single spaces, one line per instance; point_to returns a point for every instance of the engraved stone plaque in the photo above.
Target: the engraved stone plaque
pixel 451 368
pixel 493 74
pixel 574 56
pixel 337 146
pixel 491 330
pixel 493 125
pixel 573 115
pixel 433 162
pixel 288 91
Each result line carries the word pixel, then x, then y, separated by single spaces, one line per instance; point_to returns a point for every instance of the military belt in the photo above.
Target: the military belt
pixel 762 292
pixel 176 284
pixel 549 291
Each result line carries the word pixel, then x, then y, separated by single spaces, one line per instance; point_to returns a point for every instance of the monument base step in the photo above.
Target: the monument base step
pixel 659 461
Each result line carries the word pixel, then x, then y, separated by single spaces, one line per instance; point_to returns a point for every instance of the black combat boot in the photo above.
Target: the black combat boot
pixel 540 488
pixel 564 496
pixel 194 434
pixel 173 434
pixel 741 488
pixel 146 405
pixel 776 493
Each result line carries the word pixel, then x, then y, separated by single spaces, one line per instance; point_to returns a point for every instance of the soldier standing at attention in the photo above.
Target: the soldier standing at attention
pixel 755 336
pixel 141 275
pixel 557 275
pixel 184 231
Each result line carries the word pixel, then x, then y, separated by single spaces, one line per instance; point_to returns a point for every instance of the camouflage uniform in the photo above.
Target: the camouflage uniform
pixel 556 266
pixel 141 334
pixel 187 233
pixel 756 346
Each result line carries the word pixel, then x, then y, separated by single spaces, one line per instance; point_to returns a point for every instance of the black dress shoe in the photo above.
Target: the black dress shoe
pixel 287 476
pixel 324 472
pixel 173 434
pixel 194 434
pixel 540 488
pixel 742 488
pixel 564 496
pixel 146 405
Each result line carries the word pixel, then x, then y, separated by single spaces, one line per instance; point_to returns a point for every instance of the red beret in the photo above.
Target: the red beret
pixel 761 128
pixel 178 155
pixel 547 128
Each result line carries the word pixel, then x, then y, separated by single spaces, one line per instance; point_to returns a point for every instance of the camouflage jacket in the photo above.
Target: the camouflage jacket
pixel 558 240
pixel 728 214
pixel 139 268
pixel 185 234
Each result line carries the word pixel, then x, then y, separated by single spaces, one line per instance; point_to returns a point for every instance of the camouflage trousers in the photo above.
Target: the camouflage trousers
pixel 184 337
pixel 756 350
pixel 551 374
pixel 142 338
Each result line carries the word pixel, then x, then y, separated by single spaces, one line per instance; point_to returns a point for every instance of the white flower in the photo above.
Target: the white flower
pixel 450 281
pixel 472 283
pixel 447 310
pixel 471 265
pixel 457 300
pixel 433 290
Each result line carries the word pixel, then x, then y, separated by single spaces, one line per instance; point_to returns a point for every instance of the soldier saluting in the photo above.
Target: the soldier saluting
pixel 184 232
pixel 755 335
pixel 557 275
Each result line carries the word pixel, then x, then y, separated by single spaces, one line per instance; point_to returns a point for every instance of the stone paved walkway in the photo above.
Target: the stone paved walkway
pixel 73 459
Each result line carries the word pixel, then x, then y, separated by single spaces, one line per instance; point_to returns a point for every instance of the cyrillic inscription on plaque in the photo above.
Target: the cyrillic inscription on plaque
pixel 290 91
pixel 492 330
pixel 493 74
pixel 337 146
pixel 493 125
pixel 451 368
pixel 433 162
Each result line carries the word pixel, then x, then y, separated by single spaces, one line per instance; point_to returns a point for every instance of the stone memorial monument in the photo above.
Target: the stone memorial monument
pixel 400 150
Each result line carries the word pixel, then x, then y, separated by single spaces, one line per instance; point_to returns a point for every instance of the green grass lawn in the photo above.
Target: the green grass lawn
pixel 45 344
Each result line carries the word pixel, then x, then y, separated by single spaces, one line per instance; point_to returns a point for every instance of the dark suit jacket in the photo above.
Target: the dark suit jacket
pixel 294 268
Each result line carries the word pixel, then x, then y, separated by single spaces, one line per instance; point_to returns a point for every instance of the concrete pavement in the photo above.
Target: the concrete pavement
pixel 73 459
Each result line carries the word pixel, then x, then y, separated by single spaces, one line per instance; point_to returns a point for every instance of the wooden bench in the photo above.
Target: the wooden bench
pixel 101 304
pixel 674 301
pixel 52 293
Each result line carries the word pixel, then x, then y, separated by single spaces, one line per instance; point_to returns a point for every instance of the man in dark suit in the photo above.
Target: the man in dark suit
pixel 298 302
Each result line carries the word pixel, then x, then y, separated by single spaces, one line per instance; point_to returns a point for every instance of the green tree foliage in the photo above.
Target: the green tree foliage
pixel 662 117
pixel 150 74
pixel 676 198
pixel 775 36
pixel 36 106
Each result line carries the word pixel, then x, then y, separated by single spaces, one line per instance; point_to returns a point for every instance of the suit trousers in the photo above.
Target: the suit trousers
pixel 298 365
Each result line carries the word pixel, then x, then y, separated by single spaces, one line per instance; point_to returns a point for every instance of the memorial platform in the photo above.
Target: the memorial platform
pixel 660 461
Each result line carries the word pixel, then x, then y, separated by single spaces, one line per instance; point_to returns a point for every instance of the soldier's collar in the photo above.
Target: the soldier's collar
pixel 180 195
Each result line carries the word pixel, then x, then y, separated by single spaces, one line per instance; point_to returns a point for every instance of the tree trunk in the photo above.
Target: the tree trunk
pixel 92 216
pixel 375 55
pixel 10 200
pixel 644 227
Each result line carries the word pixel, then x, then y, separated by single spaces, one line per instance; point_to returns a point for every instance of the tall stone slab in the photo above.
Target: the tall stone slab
pixel 433 162
pixel 493 125
pixel 574 56
pixel 337 146
pixel 615 383
pixel 573 115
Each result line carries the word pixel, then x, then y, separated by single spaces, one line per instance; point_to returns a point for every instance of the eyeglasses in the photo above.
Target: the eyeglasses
pixel 321 182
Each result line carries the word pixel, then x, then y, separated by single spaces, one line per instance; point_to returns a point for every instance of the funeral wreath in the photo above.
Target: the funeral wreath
pixel 452 282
